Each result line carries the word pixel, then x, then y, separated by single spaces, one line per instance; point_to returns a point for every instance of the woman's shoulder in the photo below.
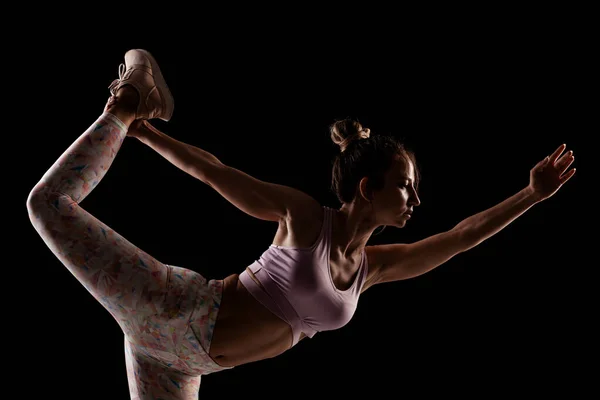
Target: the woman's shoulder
pixel 302 226
pixel 310 211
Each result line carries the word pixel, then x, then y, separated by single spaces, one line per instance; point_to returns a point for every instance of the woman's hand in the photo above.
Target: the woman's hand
pixel 551 173
pixel 140 128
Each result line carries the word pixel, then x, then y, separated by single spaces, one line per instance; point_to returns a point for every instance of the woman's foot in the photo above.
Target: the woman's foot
pixel 141 72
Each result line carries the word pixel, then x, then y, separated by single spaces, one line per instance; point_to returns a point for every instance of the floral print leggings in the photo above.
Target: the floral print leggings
pixel 167 313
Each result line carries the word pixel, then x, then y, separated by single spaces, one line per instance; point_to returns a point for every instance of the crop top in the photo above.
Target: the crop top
pixel 299 288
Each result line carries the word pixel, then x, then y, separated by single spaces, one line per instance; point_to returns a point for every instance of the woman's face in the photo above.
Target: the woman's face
pixel 393 205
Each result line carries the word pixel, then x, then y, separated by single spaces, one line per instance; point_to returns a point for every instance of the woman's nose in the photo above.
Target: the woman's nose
pixel 415 200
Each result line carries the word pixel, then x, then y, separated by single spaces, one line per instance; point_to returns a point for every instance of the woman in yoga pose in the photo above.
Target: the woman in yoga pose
pixel 177 324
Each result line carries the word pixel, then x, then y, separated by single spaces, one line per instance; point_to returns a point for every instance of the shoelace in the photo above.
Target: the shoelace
pixel 112 87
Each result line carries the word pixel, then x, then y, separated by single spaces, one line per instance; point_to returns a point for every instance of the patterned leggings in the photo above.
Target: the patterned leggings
pixel 167 313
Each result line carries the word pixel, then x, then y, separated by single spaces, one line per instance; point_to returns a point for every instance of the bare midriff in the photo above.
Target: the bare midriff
pixel 245 330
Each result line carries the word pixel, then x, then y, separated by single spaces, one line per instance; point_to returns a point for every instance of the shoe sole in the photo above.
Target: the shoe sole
pixel 161 86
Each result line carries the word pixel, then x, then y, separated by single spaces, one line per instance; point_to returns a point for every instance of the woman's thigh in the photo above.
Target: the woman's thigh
pixel 151 380
pixel 127 281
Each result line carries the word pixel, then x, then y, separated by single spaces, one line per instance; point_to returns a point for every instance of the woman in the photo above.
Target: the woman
pixel 178 325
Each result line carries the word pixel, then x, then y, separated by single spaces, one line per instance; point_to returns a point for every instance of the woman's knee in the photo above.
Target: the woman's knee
pixel 44 204
pixel 41 198
pixel 37 198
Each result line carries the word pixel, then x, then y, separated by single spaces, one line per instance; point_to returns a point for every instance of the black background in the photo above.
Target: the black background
pixel 480 101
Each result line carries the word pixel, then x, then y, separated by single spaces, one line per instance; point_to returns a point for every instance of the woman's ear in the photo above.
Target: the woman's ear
pixel 364 190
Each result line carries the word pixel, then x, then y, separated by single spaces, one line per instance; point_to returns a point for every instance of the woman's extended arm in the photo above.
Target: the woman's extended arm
pixel 263 200
pixel 188 158
pixel 402 261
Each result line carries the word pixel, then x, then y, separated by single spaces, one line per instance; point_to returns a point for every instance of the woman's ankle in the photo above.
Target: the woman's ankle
pixel 123 104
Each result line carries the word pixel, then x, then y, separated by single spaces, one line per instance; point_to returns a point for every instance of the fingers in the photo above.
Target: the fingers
pixel 567 176
pixel 557 153
pixel 540 165
pixel 545 161
pixel 150 127
pixel 565 161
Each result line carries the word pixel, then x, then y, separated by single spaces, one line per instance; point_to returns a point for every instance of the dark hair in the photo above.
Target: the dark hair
pixel 363 155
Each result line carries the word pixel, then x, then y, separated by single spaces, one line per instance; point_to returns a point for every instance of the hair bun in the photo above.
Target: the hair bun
pixel 345 131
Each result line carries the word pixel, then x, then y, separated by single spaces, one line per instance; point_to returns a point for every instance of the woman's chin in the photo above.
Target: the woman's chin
pixel 401 223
